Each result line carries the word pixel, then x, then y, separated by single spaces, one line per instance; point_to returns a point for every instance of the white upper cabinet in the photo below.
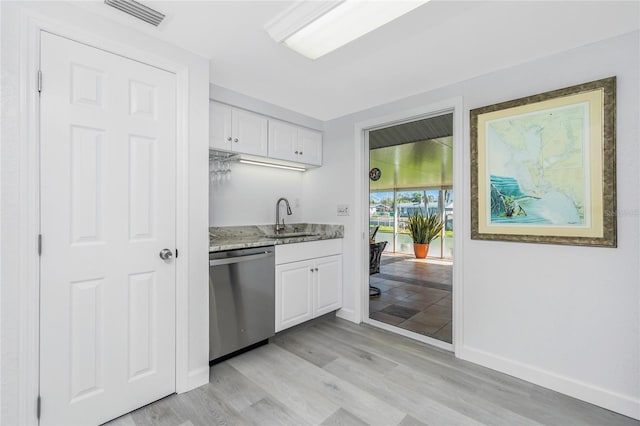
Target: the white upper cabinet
pixel 237 130
pixel 310 145
pixel 283 141
pixel 220 127
pixel 293 143
pixel 249 132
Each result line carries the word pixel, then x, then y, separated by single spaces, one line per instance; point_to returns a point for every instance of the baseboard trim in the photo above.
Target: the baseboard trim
pixel 613 401
pixel 348 314
pixel 196 378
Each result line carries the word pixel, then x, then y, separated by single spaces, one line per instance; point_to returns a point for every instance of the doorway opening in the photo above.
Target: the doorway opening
pixel 411 172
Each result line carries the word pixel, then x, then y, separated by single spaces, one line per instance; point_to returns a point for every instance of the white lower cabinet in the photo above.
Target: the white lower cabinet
pixel 328 284
pixel 306 289
pixel 294 294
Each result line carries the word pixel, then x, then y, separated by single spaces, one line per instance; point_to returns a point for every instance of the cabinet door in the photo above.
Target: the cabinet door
pixel 249 132
pixel 219 126
pixel 328 284
pixel 283 141
pixel 310 144
pixel 294 294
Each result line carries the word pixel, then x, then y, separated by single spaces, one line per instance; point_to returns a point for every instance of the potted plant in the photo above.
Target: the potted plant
pixel 423 230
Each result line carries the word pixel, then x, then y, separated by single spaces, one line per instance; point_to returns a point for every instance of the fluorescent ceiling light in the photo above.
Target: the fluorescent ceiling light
pixel 277 166
pixel 314 28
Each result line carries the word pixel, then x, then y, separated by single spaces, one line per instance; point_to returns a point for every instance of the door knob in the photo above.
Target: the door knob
pixel 166 254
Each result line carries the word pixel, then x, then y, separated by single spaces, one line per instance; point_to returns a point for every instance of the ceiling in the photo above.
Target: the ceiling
pixel 439 43
pixel 415 165
pixel 413 155
pixel 413 131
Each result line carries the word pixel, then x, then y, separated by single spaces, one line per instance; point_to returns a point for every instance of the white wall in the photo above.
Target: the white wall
pixel 565 317
pixel 231 97
pixel 17 243
pixel 249 198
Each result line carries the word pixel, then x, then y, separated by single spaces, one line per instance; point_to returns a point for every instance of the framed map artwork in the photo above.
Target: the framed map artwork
pixel 543 168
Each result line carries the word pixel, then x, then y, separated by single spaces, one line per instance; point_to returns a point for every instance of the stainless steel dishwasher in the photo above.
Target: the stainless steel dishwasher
pixel 241 299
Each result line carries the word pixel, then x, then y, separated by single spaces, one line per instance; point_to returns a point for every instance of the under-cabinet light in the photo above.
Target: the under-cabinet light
pixel 314 28
pixel 277 166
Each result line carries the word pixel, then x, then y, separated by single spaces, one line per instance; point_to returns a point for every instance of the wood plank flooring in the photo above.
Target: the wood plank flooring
pixel 333 372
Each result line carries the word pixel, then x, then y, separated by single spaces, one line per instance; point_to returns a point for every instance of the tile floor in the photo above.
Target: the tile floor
pixel 415 295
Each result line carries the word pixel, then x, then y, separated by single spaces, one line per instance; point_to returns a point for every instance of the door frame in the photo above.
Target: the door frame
pixel 453 105
pixel 32 25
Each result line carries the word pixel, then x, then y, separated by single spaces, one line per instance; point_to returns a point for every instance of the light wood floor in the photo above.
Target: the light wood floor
pixel 337 373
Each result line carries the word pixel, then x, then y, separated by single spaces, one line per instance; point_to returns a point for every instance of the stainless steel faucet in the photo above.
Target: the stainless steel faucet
pixel 280 227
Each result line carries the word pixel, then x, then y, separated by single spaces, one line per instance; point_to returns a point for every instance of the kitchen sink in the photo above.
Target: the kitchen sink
pixel 291 235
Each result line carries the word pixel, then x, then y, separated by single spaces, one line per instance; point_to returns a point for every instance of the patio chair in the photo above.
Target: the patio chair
pixel 372 233
pixel 375 255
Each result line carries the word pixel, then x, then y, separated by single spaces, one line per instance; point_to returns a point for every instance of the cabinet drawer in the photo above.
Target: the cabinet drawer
pixel 287 253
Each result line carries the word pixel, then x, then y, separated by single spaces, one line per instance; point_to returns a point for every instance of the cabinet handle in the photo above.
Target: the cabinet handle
pixel 236 140
pixel 300 152
pixel 296 152
pixel 229 138
pixel 311 269
pixel 316 269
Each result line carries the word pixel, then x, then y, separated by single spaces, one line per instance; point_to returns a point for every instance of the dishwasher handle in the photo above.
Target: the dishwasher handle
pixel 238 259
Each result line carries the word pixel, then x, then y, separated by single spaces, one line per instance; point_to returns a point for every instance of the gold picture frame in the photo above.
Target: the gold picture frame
pixel 543 167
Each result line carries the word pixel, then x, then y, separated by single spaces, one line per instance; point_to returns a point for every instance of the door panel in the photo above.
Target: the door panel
pixel 141 187
pixel 328 284
pixel 310 144
pixel 107 152
pixel 283 141
pixel 87 339
pixel 294 294
pixel 249 132
pixel 87 189
pixel 142 325
pixel 220 126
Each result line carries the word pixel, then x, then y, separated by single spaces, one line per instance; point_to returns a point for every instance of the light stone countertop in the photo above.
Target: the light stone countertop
pixel 239 237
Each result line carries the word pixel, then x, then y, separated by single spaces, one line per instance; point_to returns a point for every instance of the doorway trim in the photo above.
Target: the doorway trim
pixel 361 140
pixel 32 25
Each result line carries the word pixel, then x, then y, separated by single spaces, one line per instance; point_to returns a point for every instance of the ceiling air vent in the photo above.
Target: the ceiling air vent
pixel 138 10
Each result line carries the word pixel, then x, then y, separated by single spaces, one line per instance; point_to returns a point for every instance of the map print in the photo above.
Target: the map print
pixel 537 167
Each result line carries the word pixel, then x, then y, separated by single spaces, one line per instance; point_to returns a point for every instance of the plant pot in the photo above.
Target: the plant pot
pixel 420 250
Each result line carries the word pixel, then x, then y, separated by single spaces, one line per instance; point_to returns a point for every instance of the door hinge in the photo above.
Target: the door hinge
pixel 39 81
pixel 38 407
pixel 176 253
pixel 39 244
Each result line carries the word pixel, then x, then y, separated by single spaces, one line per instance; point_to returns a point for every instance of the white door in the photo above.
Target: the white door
pixel 283 141
pixel 328 288
pixel 310 144
pixel 249 132
pixel 220 126
pixel 107 330
pixel 294 294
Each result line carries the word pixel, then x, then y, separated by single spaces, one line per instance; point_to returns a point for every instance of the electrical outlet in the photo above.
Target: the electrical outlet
pixel 343 210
